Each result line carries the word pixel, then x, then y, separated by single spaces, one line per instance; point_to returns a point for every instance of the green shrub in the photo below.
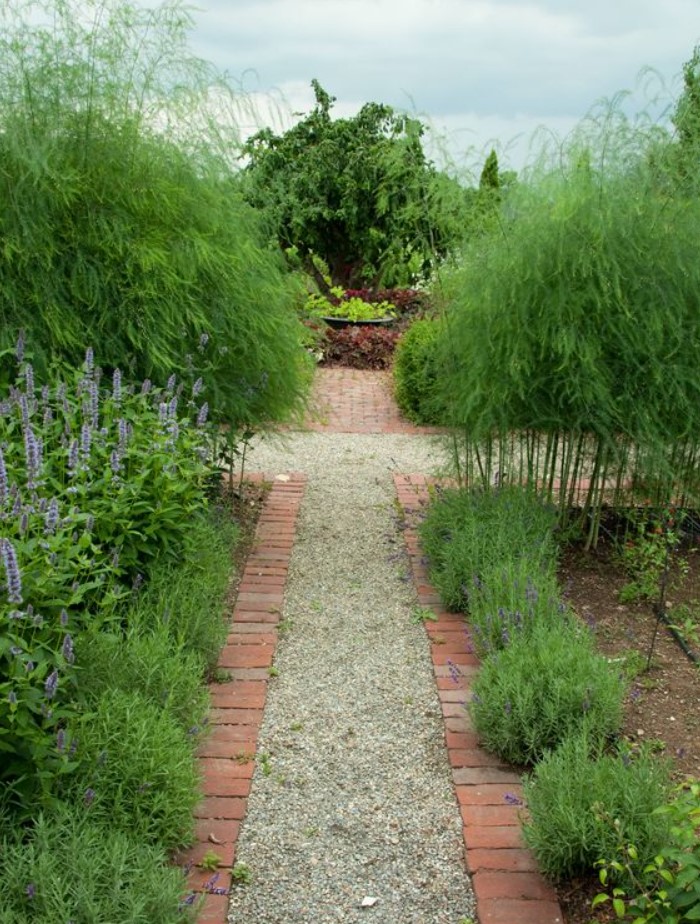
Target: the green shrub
pixel 189 598
pixel 511 598
pixel 129 236
pixel 96 483
pixel 466 532
pixel 66 868
pixel 665 890
pixel 137 770
pixel 541 688
pixel 415 371
pixel 150 663
pixel 575 793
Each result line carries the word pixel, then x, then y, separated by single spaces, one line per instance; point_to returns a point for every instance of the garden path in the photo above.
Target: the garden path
pixel 366 778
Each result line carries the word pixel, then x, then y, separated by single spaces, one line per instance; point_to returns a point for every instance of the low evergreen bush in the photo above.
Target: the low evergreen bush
pixel 415 371
pixel 582 803
pixel 136 769
pixel 64 867
pixel 541 688
pixel 466 532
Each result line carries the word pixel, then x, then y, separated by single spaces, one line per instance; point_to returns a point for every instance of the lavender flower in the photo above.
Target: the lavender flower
pixel 115 461
pixel 19 349
pixel 24 523
pixel 48 416
pixel 30 891
pixel 60 740
pixel 163 412
pixel 197 387
pixel 68 652
pixel 146 386
pixel 123 431
pixel 89 796
pixel 172 408
pixel 63 618
pixel 94 403
pixel 170 386
pixel 203 341
pixel 12 698
pixel 89 364
pixel 14 580
pixel 51 684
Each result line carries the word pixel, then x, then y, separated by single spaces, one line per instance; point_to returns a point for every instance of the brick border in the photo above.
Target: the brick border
pixel 507 884
pixel 227 757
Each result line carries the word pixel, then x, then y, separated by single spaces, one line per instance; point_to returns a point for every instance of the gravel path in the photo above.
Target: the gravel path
pixel 352 798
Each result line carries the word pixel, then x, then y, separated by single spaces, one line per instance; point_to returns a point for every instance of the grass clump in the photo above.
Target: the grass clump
pixel 67 868
pixel 541 688
pixel 582 803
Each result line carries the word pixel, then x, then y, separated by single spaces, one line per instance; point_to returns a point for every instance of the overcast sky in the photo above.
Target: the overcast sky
pixel 479 70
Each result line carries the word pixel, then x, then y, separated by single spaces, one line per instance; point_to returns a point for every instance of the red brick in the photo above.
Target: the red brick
pixel 246 656
pixel 232 699
pixel 505 858
pixel 483 815
pixel 443 658
pixel 491 884
pixel 515 911
pixel 472 757
pixel 213 910
pixel 487 793
pixel 226 853
pixel 478 775
pixel 222 807
pixel 236 637
pixel 235 716
pixel 247 615
pixel 461 740
pixel 494 837
pixel 216 832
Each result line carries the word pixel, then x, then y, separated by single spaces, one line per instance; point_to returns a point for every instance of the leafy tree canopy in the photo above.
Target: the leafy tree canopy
pixel 357 192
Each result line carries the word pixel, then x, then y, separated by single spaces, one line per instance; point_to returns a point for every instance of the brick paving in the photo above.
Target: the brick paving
pixel 507 885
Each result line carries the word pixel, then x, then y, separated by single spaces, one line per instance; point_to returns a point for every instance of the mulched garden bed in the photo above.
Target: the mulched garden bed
pixel 662 706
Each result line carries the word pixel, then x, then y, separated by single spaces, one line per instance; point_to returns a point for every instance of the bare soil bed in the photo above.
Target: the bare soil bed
pixel 663 705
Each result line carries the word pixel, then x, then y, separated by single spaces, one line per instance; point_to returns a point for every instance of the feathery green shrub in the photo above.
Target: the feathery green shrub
pixel 575 794
pixel 121 220
pixel 67 868
pixel 467 532
pixel 542 687
pixel 570 345
pixel 136 769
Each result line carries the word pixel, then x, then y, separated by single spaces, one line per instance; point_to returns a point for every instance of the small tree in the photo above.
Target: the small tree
pixel 357 192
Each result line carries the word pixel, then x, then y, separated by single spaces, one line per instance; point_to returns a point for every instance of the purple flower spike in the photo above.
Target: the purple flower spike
pixel 117 386
pixel 85 440
pixel 60 740
pixel 29 385
pixel 14 580
pixel 19 349
pixel 203 414
pixel 64 618
pixel 30 891
pixel 68 651
pixel 51 684
pixel 89 360
pixel 73 458
pixel 89 796
pixel 3 481
pixel 51 518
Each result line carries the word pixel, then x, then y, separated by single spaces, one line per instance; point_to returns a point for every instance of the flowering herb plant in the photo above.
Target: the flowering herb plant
pixel 96 480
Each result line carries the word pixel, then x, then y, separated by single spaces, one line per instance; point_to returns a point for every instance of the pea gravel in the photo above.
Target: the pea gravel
pixel 352 816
